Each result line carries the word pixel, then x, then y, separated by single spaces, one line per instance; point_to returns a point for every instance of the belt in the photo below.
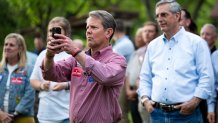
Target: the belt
pixel 166 107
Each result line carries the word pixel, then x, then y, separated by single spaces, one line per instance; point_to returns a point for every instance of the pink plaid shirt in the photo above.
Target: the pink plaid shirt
pixel 94 89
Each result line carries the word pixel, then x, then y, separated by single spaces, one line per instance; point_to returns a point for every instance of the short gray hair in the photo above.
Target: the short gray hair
pixel 211 26
pixel 174 6
pixel 106 18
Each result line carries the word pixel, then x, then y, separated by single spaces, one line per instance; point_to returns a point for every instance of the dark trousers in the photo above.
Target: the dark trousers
pixel 203 108
pixel 133 105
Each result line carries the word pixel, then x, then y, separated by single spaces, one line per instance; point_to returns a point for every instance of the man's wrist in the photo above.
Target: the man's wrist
pixel 49 55
pixel 196 100
pixel 41 87
pixel 16 113
pixel 76 52
pixel 67 86
pixel 144 99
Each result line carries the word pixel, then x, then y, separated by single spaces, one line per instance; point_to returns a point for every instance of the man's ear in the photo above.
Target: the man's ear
pixel 178 15
pixel 108 32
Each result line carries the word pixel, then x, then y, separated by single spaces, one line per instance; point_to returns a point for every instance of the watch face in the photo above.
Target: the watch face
pixel 143 99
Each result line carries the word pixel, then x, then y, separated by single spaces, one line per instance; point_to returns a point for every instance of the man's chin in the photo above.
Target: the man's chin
pixel 90 45
pixel 163 29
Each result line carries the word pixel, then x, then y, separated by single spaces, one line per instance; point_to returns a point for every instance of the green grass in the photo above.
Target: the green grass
pixel 130 117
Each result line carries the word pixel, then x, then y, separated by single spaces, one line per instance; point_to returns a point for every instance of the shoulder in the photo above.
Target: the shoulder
pixel 155 43
pixel 24 71
pixel 31 55
pixel 117 57
pixel 192 38
pixel 127 41
pixel 214 55
pixel 141 50
pixel 63 55
pixel 115 54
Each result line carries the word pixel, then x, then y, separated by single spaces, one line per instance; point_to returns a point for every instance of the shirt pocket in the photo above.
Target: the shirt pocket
pixel 185 64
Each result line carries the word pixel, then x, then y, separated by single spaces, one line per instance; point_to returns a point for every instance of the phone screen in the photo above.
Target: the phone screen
pixel 56 30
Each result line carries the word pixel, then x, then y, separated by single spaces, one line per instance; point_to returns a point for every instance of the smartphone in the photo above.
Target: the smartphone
pixel 56 30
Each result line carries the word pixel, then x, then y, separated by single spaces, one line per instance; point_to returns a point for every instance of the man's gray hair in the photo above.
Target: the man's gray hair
pixel 174 6
pixel 211 26
pixel 106 18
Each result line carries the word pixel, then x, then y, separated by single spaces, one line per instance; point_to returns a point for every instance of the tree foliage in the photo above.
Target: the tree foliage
pixel 34 15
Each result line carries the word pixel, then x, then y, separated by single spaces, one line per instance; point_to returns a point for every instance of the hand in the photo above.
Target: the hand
pixel 5 117
pixel 149 105
pixel 131 94
pixel 211 117
pixel 52 47
pixel 45 86
pixel 64 44
pixel 189 107
pixel 60 86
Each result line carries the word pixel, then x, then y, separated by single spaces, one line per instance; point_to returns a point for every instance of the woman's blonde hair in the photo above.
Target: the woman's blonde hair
pixel 22 50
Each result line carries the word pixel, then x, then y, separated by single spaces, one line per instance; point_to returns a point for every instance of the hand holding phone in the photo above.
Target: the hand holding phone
pixel 56 30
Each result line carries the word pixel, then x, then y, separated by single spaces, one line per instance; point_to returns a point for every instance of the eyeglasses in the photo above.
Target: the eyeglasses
pixel 163 15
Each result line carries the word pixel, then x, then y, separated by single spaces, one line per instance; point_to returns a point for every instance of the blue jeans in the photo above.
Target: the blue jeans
pixel 159 116
pixel 66 121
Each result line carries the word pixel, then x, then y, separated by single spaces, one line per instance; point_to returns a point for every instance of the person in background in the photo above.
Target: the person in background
pixel 123 46
pixel 150 32
pixel 96 75
pixel 16 93
pixel 130 84
pixel 39 44
pixel 177 72
pixel 212 115
pixel 208 33
pixel 31 58
pixel 139 39
pixel 147 33
pixel 187 22
pixel 54 97
pixel 79 43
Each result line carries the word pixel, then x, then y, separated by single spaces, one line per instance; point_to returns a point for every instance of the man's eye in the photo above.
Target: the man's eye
pixel 163 14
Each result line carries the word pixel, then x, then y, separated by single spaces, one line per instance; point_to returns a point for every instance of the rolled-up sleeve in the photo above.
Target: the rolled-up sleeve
pixel 60 71
pixel 145 83
pixel 204 70
pixel 212 99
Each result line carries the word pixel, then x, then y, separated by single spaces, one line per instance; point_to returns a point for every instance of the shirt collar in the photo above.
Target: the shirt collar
pixel 101 51
pixel 176 37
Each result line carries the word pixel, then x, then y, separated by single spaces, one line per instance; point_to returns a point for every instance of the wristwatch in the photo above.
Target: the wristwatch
pixel 144 99
pixel 15 113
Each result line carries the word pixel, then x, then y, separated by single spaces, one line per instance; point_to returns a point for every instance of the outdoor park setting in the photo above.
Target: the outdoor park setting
pixel 31 16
